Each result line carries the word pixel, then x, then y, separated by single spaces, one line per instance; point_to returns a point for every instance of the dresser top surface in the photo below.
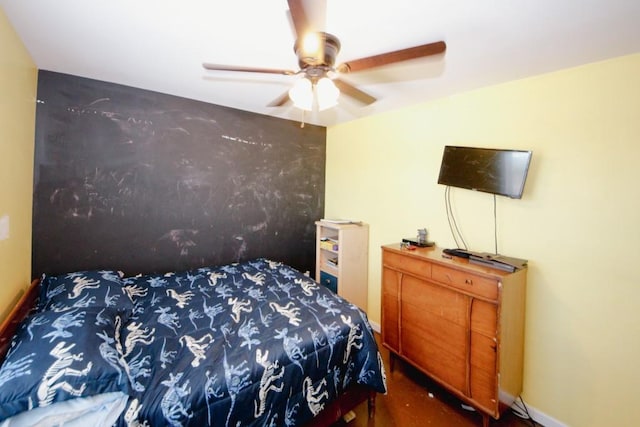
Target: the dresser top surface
pixel 434 254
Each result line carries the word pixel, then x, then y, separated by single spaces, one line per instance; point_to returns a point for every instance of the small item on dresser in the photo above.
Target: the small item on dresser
pixel 408 246
pixel 422 236
pixel 415 242
pixel 462 253
pixel 500 262
pixel 420 240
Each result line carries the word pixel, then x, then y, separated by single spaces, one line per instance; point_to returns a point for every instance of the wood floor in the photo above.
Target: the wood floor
pixel 413 399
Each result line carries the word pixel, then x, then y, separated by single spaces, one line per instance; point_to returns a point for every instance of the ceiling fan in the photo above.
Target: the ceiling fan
pixel 317 52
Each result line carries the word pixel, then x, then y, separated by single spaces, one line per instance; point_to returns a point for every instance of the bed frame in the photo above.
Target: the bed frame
pixel 22 308
pixel 333 412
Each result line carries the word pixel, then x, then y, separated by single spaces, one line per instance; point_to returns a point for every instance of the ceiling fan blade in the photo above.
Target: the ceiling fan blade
pixel 354 92
pixel 280 101
pixel 219 67
pixel 299 17
pixel 392 57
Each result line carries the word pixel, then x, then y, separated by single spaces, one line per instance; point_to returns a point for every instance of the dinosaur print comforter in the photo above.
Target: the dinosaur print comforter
pixel 246 344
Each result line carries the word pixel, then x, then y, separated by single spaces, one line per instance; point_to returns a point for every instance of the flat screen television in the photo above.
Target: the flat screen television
pixel 495 171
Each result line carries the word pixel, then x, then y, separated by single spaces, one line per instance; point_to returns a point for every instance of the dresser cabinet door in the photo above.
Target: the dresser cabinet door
pixel 434 331
pixel 483 357
pixel 391 308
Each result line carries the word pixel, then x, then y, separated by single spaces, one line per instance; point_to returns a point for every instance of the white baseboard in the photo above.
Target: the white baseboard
pixel 544 419
pixel 538 416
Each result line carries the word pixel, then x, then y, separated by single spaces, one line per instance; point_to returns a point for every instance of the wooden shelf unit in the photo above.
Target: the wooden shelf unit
pixel 461 324
pixel 350 277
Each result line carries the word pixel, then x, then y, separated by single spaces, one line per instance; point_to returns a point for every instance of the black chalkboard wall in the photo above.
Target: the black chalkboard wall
pixel 143 182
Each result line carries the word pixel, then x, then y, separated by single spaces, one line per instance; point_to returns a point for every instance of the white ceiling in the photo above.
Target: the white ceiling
pixel 160 45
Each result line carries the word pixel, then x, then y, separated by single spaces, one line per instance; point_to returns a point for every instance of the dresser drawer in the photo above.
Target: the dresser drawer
pixel 469 282
pixel 425 297
pixel 415 266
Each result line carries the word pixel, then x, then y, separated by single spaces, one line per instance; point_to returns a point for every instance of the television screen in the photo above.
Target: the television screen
pixel 495 171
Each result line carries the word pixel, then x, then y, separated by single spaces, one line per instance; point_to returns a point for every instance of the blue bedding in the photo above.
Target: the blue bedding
pixel 249 344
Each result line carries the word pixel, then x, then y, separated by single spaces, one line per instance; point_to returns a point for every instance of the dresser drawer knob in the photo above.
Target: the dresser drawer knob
pixel 468 281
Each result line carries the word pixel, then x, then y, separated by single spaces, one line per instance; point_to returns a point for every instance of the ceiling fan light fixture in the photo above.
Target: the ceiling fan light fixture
pixel 326 93
pixel 316 50
pixel 311 45
pixel 302 94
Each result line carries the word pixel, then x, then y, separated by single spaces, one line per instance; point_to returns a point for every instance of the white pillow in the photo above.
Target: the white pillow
pixel 101 410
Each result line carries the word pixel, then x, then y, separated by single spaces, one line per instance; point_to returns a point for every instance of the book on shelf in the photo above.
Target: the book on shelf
pixel 329 244
pixel 332 262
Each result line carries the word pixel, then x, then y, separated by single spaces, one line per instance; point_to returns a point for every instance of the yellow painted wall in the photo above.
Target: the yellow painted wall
pixel 18 83
pixel 578 223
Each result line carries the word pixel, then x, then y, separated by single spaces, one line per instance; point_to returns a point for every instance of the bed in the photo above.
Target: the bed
pixel 244 344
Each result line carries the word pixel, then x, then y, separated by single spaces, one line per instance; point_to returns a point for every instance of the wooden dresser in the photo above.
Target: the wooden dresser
pixel 460 323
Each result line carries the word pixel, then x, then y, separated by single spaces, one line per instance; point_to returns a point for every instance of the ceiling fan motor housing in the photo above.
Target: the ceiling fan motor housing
pixel 322 58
